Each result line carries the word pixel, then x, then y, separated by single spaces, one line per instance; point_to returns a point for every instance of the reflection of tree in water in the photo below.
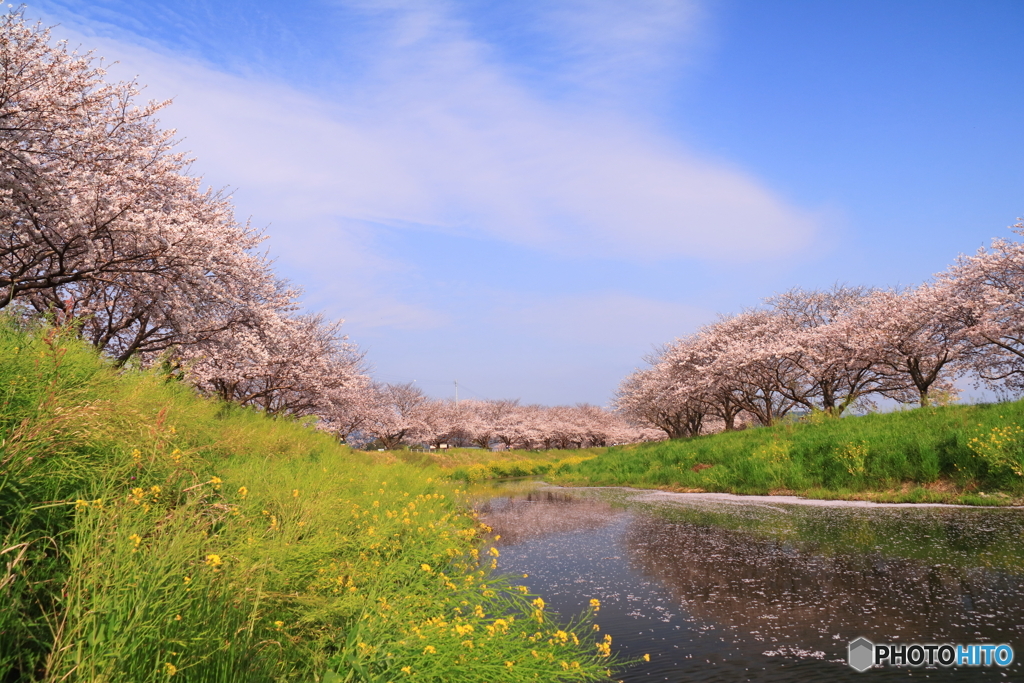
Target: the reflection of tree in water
pixel 541 513
pixel 783 592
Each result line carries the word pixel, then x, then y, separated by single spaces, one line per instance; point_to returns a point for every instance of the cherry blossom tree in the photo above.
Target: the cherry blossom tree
pixel 285 363
pixel 90 187
pixel 398 413
pixel 987 300
pixel 657 397
pixel 745 364
pixel 918 337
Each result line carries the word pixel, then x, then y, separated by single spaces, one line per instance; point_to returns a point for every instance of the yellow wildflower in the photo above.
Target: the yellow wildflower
pixel 243 492
pixel 595 604
pixel 425 567
pixel 494 551
pixel 510 664
pixel 279 625
pixel 429 650
pixel 216 481
pixel 407 669
pixel 214 561
pixel 136 539
pixel 647 658
pixel 81 504
pixel 295 493
pixel 170 669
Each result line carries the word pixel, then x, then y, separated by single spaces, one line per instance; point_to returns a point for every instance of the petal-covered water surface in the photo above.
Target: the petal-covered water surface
pixel 726 588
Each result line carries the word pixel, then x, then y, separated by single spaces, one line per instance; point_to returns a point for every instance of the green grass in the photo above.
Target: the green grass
pixel 472 465
pixel 148 534
pixel 970 454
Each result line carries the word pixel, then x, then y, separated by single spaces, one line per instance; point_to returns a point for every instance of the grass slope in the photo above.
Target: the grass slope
pixel 149 534
pixel 969 454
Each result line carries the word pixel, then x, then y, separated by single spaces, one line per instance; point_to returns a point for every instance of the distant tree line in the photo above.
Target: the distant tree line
pixel 388 415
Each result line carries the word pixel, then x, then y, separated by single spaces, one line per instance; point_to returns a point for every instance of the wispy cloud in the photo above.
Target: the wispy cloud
pixel 439 136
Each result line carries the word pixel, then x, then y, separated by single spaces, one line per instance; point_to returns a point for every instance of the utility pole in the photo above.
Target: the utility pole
pixel 456 393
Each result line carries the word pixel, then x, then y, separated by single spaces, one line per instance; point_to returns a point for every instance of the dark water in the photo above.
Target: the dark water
pixel 718 590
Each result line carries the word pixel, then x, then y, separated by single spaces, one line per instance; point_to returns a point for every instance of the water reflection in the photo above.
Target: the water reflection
pixel 541 513
pixel 764 593
pixel 784 593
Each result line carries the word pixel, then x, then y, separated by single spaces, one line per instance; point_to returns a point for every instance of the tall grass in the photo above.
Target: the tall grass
pixel 972 454
pixel 148 534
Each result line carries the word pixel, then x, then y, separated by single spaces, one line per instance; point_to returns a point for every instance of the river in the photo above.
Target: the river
pixel 728 588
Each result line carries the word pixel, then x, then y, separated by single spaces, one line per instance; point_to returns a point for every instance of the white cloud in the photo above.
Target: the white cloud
pixel 440 138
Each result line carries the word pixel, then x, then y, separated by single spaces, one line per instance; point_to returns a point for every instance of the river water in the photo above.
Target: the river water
pixel 727 588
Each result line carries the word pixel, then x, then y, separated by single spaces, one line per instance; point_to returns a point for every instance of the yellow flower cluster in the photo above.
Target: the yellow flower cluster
pixel 1001 449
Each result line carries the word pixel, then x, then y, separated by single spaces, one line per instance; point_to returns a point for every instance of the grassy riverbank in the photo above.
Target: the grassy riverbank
pixel 971 454
pixel 148 534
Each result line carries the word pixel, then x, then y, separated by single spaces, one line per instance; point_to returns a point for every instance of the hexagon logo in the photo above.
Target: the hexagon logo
pixel 861 654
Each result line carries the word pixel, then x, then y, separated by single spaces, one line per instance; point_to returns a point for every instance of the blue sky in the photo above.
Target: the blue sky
pixel 528 196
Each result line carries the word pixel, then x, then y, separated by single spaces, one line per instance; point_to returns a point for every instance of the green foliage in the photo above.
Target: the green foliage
pixel 931 454
pixel 148 533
